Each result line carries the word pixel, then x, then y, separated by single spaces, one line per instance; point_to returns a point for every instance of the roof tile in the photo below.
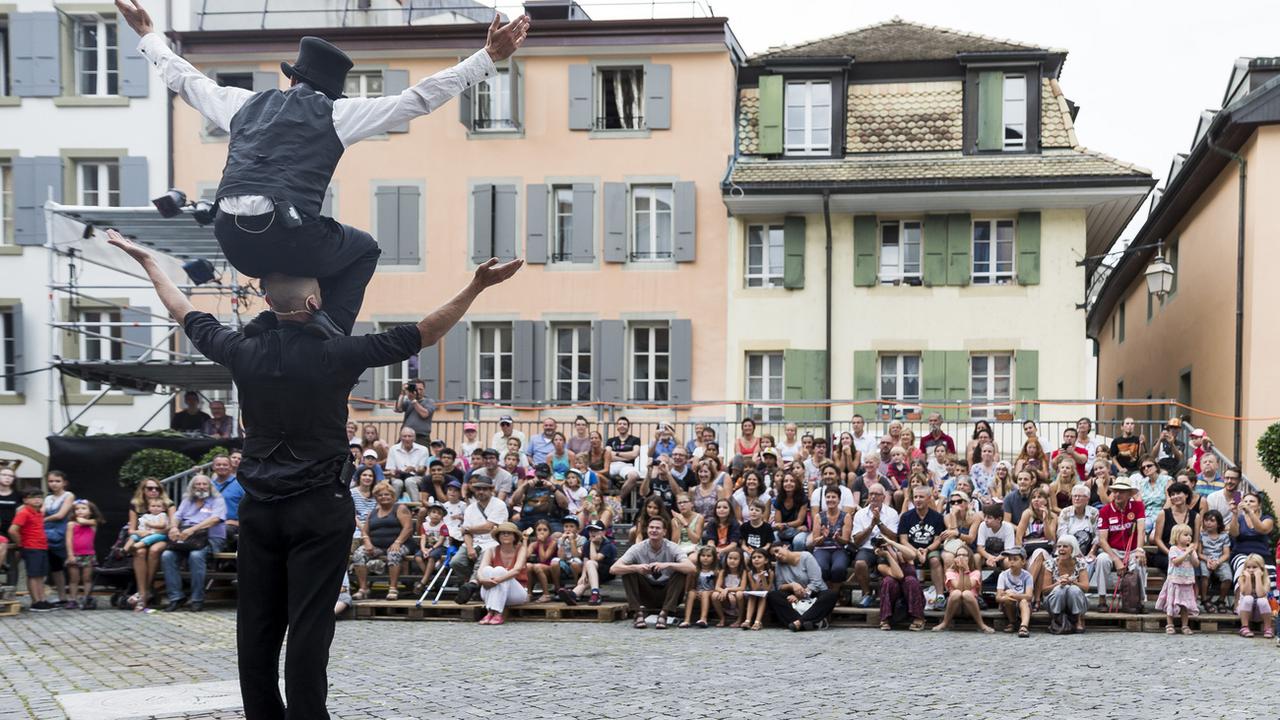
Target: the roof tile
pixel 887 117
pixel 892 40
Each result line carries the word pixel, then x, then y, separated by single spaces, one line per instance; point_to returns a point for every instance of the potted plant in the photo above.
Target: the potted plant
pixel 1004 416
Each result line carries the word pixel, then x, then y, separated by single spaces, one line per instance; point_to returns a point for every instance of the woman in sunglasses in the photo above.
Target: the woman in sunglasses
pixel 146 559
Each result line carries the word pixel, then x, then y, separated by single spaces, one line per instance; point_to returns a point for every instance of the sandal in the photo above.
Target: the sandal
pixel 885 626
pixel 755 626
pixel 1007 628
pixel 360 595
pixel 744 626
pixel 736 625
pixel 684 625
pixel 418 587
pixel 1186 630
pixel 1246 632
pixel 701 624
pixel 1268 632
pixel 393 594
pixel 1024 631
pixel 916 625
pixel 640 624
pixel 662 623
pixel 1168 630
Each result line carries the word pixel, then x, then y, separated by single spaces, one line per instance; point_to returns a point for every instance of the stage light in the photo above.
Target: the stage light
pixel 171 203
pixel 203 212
pixel 199 270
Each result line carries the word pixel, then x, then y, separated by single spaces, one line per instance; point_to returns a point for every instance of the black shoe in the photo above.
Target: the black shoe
pixel 465 592
pixel 322 326
pixel 265 321
pixel 89 604
pixel 566 596
pixel 42 606
pixel 196 606
pixel 174 605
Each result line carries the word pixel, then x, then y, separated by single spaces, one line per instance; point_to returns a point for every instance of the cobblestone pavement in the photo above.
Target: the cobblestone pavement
pixel 391 669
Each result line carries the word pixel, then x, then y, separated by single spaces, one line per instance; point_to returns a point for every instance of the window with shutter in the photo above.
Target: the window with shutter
pixel 650 362
pixel 4 56
pixel 493 107
pixel 765 256
pixel 97 182
pixel 6 202
pixel 573 366
pixel 764 373
pixel 100 339
pixel 494 363
pixel 619 98
pixel 562 223
pixel 652 222
pixel 900 252
pixel 9 344
pixel 993 242
pixel 990 384
pixel 900 377
pixel 96 52
pixel 807 117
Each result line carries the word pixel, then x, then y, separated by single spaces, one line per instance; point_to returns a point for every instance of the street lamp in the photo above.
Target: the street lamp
pixel 1159 274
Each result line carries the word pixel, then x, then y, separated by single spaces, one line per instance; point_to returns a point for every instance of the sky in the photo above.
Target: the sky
pixel 1141 71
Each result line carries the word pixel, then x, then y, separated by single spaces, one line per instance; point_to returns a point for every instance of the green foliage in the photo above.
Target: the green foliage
pixel 1269 450
pixel 152 462
pixel 214 451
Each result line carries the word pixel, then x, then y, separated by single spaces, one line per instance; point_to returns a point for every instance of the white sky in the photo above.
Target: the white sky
pixel 1141 71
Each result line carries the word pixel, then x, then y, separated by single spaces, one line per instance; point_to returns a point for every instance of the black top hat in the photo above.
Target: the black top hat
pixel 320 64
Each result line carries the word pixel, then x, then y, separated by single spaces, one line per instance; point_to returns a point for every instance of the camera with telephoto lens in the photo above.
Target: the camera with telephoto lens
pixel 878 542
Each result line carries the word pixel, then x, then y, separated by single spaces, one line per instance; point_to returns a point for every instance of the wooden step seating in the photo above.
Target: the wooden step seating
pixel 1147 622
pixel 10 607
pixel 471 612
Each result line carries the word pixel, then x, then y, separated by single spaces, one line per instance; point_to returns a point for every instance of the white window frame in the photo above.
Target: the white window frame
pixel 762 395
pixel 986 405
pixel 100 169
pixel 561 225
pixel 8 345
pixel 103 52
pixel 654 193
pixel 1014 112
pixel 497 387
pixel 578 359
pixel 637 117
pixel 390 379
pixel 6 202
pixel 815 116
pixel 992 272
pixel 766 238
pixel 90 320
pixel 910 233
pixel 898 374
pixel 656 389
pixel 362 86
pixel 496 92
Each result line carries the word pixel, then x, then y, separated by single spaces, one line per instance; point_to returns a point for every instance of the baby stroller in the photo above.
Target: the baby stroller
pixel 116 572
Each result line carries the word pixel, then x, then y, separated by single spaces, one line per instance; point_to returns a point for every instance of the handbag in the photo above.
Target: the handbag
pixel 198 541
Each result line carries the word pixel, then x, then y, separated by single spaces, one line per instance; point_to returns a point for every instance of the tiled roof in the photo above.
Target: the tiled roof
pixel 893 40
pixel 905 117
pixel 1056 128
pixel 895 168
pixel 748 125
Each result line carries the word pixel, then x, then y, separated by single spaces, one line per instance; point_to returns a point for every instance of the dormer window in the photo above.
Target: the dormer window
pixel 1015 112
pixel 1005 114
pixel 808 117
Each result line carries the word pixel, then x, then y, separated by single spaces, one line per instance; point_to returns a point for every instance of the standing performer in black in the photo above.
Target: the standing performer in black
pixel 284 146
pixel 297 516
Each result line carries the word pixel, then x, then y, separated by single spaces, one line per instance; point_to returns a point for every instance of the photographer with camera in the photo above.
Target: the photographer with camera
pixel 539 499
pixel 895 561
pixel 418 411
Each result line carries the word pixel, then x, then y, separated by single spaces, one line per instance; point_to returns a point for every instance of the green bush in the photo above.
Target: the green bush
pixel 1269 450
pixel 214 452
pixel 152 462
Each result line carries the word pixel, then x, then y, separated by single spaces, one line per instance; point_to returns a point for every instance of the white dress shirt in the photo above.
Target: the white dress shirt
pixel 354 119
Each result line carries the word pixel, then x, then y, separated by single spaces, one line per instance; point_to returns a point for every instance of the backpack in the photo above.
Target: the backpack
pixel 1062 624
pixel 1130 592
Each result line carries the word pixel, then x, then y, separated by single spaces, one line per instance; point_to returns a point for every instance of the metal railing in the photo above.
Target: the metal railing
pixel 176 485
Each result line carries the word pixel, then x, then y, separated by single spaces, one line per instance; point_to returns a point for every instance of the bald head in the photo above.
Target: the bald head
pixel 291 296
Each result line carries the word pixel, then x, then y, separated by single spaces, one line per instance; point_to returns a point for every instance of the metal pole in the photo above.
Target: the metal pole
pixel 236 299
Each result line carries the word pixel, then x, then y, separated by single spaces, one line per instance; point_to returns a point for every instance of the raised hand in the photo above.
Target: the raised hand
pixel 136 16
pixel 491 273
pixel 135 251
pixel 503 40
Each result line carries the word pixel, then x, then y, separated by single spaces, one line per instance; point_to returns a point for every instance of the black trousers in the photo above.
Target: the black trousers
pixel 343 258
pixel 290 563
pixel 822 606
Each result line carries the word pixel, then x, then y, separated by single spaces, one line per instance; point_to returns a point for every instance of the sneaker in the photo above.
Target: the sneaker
pixel 867 601
pixel 42 606
pixel 89 604
pixel 595 598
pixel 940 603
pixel 70 605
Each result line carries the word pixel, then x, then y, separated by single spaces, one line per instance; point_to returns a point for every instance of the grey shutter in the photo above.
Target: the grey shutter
pixel 387 223
pixel 538 353
pixel 364 386
pixel 408 207
pixel 584 210
pixel 326 206
pixel 536 226
pixel 657 96
pixel 522 360
pixel 481 223
pixel 136 337
pixel 135 71
pixel 580 98
pixel 393 83
pixel 456 356
pixel 265 80
pixel 615 222
pixel 19 353
pixel 35 57
pixel 609 350
pixel 465 102
pixel 134 189
pixel 32 179
pixel 429 370
pixel 686 221
pixel 681 366
pixel 504 222
pixel 517 108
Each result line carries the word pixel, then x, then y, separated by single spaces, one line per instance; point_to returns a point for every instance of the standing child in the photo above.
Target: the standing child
pixel 543 561
pixel 10 501
pixel 704 585
pixel 57 513
pixel 1254 586
pixel 27 531
pixel 1179 592
pixel 1215 556
pixel 435 543
pixel 1013 591
pixel 80 554
pixel 729 586
pixel 759 579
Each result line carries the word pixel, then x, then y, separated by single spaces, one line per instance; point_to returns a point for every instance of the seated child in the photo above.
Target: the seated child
pixel 153 526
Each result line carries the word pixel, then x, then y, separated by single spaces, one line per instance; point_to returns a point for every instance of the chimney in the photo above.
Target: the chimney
pixel 555 10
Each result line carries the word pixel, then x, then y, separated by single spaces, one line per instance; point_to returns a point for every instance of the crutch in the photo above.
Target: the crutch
pixel 445 565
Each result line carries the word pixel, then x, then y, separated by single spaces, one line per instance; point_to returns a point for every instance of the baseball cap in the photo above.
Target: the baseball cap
pixel 474 483
pixel 1198 433
pixel 542 470
pixel 1174 422
pixel 505 420
pixel 571 519
pixel 772 451
pixel 1014 551
pixel 469 426
pixel 370 453
pixel 595 526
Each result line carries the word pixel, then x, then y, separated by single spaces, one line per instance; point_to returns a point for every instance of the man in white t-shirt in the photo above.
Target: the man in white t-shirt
pixel 483 515
pixel 871 522
pixel 407 461
pixel 863 441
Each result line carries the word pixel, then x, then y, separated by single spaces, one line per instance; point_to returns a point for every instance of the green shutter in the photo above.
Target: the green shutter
pixel 864 251
pixel 804 375
pixel 959 244
pixel 935 250
pixel 864 381
pixel 957 382
pixel 933 376
pixel 793 253
pixel 1028 244
pixel 769 116
pixel 1026 369
pixel 990 110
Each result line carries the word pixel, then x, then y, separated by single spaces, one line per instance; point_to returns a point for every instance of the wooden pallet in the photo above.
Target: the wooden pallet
pixel 409 610
pixel 9 608
pixel 560 612
pixel 1130 622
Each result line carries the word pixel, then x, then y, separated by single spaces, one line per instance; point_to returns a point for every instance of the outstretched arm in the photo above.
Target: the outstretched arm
pixel 216 103
pixel 434 326
pixel 174 301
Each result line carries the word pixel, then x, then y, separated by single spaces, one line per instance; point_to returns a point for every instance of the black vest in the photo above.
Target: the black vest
pixel 283 146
